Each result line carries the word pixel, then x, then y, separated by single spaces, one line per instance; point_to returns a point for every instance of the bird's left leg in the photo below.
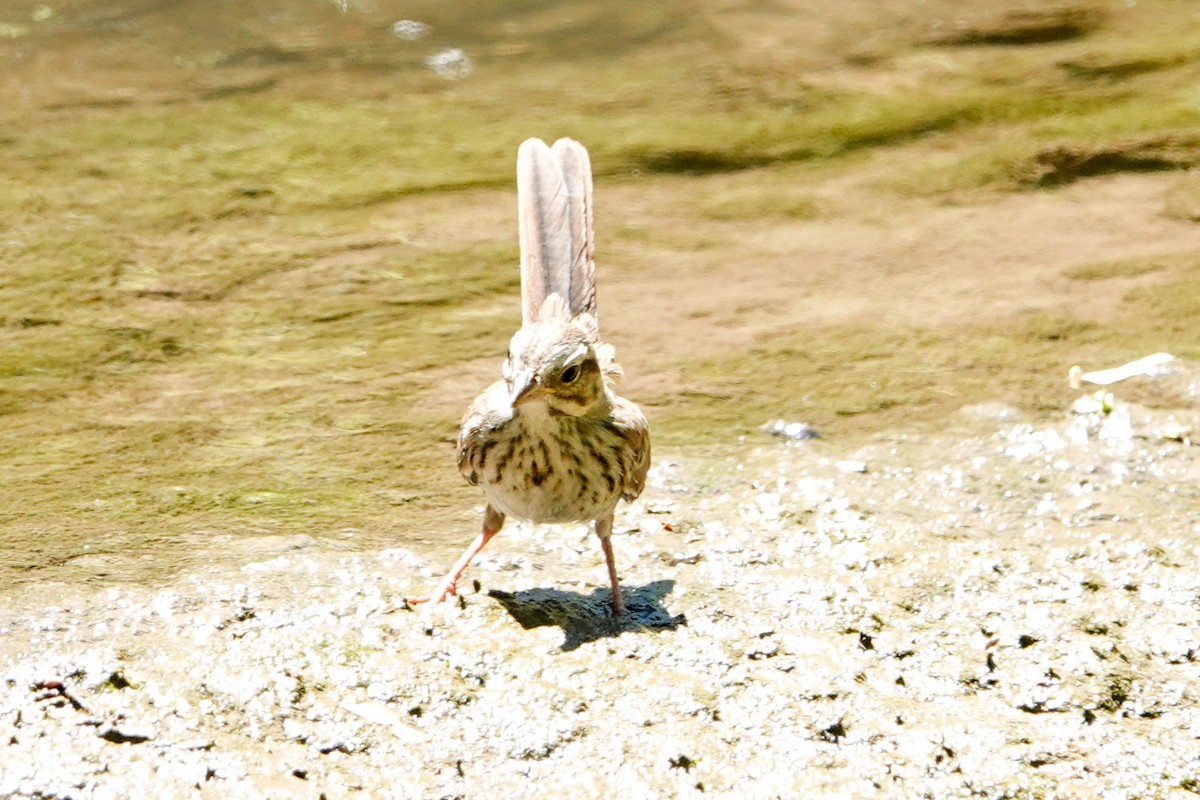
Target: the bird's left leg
pixel 604 531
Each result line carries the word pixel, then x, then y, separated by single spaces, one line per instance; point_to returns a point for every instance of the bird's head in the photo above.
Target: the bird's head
pixel 554 362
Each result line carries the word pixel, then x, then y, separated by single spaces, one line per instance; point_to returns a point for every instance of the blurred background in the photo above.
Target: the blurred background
pixel 257 257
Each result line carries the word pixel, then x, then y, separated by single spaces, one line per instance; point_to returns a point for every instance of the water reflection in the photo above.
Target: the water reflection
pixel 452 63
pixel 410 29
pixel 74 52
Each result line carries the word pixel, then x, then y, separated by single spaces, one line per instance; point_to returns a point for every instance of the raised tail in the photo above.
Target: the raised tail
pixel 554 208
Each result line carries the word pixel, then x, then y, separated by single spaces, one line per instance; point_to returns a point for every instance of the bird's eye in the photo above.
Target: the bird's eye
pixel 570 374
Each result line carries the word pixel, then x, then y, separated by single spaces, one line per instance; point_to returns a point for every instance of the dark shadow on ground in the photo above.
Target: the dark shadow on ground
pixel 586 618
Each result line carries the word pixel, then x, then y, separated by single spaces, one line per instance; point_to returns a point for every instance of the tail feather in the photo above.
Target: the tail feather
pixel 577 175
pixel 554 200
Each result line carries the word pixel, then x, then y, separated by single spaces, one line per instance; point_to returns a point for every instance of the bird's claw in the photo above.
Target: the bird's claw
pixel 434 597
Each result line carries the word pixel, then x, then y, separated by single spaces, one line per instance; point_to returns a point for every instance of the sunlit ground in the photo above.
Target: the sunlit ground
pixel 257 257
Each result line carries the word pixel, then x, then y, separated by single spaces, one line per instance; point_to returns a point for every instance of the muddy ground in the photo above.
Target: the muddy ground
pixel 1010 609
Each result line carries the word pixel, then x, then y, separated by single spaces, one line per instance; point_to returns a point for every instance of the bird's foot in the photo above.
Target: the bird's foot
pixel 438 595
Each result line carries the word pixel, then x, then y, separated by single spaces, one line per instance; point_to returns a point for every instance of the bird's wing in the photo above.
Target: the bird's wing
pixel 477 439
pixel 554 209
pixel 634 428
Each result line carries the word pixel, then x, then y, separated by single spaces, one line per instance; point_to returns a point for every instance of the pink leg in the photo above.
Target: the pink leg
pixel 492 522
pixel 604 531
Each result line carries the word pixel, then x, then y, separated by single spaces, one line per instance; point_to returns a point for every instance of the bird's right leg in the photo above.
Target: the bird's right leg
pixel 493 520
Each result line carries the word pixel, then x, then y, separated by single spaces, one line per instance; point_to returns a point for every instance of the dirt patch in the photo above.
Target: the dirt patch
pixel 865 257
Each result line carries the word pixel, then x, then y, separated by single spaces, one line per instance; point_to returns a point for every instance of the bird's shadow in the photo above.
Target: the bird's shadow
pixel 586 617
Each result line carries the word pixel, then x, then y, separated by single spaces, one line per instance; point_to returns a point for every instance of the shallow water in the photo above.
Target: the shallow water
pixel 103 54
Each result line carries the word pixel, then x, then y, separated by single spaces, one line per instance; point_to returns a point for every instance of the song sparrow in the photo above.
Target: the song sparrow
pixel 550 441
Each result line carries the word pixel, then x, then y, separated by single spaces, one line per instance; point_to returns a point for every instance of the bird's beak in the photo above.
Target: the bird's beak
pixel 524 388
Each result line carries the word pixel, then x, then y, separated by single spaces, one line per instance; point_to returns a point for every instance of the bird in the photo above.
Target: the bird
pixel 551 441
